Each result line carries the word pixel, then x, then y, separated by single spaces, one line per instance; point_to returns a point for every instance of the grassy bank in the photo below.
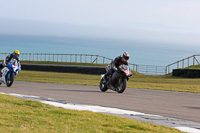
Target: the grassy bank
pixel 18 116
pixel 193 67
pixel 166 82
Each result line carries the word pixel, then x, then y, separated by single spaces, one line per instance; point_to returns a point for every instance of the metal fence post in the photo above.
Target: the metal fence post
pixel 45 58
pixel 193 60
pixel 22 56
pixel 81 58
pixel 49 57
pixel 33 57
pixel 37 57
pixel 177 64
pixel 97 59
pixel 53 57
pixel 30 57
pixel 136 68
pixel 168 69
pixel 40 55
pixel 62 58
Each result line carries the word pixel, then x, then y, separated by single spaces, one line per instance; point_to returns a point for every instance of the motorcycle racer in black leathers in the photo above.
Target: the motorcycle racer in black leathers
pixel 118 61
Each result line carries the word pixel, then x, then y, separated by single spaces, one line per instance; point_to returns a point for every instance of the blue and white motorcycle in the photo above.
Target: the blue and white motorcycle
pixel 9 72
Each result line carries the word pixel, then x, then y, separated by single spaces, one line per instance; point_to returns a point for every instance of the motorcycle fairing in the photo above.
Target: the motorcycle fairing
pixel 4 72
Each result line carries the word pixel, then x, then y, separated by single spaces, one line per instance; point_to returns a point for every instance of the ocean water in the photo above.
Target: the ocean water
pixel 140 53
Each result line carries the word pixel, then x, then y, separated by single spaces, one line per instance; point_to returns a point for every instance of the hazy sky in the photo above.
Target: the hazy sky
pixel 169 21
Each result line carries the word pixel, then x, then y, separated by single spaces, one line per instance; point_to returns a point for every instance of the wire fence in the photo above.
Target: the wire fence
pixel 86 58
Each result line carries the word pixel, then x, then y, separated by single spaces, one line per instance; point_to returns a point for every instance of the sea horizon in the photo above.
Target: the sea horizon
pixel 110 48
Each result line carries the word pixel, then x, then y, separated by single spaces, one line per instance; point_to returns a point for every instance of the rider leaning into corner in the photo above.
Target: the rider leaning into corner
pixel 118 61
pixel 15 55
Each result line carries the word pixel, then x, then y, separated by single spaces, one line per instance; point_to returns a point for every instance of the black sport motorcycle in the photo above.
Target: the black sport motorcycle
pixel 117 81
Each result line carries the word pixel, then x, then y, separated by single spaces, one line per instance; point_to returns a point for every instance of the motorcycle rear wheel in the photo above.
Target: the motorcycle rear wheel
pixel 102 86
pixel 9 81
pixel 122 86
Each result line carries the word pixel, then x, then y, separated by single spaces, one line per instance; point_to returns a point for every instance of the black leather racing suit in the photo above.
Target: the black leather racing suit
pixel 118 61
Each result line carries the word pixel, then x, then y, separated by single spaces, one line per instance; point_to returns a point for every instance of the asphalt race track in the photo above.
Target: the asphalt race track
pixel 179 105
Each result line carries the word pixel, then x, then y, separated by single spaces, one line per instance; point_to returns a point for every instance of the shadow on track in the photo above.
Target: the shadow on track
pixel 192 107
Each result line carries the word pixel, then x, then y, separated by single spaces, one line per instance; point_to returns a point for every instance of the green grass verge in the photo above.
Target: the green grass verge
pixel 20 116
pixel 140 81
pixel 193 67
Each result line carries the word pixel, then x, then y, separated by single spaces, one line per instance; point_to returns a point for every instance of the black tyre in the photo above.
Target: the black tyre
pixel 122 85
pixel 102 86
pixel 9 81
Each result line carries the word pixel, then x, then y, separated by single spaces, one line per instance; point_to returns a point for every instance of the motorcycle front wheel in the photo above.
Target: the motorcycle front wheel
pixel 122 85
pixel 9 79
pixel 102 86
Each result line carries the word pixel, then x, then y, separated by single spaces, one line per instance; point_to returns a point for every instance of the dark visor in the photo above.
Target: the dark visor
pixel 17 55
pixel 126 57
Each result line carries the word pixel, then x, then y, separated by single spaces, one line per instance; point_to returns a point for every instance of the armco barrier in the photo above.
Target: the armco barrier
pixel 65 68
pixel 186 73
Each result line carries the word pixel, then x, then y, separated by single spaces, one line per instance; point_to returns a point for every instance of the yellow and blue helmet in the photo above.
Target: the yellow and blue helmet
pixel 16 53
